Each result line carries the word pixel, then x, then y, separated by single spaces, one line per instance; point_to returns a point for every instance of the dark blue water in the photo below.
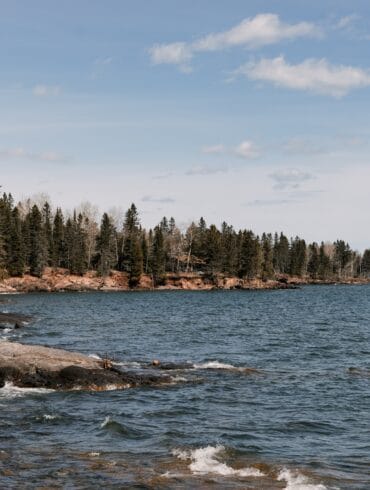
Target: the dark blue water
pixel 301 422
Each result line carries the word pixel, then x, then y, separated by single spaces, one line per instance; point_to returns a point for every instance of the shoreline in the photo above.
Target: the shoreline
pixel 60 280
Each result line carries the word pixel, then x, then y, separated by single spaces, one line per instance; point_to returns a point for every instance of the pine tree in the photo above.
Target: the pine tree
pixel 267 256
pixel 59 252
pixel 105 245
pixel 313 263
pixel 38 243
pixel 325 266
pixel 16 258
pixel 136 262
pixel 131 232
pixel 250 256
pixel 158 258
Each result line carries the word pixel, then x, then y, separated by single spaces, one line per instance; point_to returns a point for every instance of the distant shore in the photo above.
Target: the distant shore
pixel 58 280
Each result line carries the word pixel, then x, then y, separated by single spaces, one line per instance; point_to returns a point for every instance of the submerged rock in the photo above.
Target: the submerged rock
pixel 13 319
pixel 33 366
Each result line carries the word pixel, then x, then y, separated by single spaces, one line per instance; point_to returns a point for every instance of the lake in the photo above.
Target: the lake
pixel 301 421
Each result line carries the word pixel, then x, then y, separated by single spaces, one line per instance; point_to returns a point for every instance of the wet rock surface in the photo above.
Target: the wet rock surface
pixel 15 320
pixel 30 366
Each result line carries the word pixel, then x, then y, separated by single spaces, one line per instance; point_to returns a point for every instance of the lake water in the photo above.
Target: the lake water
pixel 301 422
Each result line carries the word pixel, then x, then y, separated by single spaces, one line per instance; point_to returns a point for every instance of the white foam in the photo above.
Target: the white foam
pixel 297 481
pixel 223 366
pixel 204 461
pixel 127 364
pixel 11 391
pixel 107 421
pixel 46 416
pixel 94 454
pixel 95 356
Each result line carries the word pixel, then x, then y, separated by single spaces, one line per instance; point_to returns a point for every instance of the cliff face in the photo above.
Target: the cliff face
pixel 54 280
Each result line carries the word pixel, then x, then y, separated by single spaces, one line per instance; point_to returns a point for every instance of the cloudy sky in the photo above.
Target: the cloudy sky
pixel 257 113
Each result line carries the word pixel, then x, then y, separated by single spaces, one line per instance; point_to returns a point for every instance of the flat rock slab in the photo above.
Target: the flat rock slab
pixel 35 366
pixel 28 357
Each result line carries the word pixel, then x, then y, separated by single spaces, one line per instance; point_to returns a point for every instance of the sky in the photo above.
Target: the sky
pixel 256 113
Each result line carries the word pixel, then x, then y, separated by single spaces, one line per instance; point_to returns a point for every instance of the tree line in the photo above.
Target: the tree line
pixel 33 237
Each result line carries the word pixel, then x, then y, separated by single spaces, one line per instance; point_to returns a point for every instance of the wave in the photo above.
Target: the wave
pixel 204 461
pixel 297 481
pixel 223 366
pixel 9 390
pixel 115 427
pixel 128 364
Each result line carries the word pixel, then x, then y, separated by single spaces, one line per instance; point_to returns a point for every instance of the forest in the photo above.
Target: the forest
pixel 34 236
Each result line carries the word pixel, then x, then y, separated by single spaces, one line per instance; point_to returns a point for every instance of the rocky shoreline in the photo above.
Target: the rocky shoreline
pixel 35 366
pixel 58 280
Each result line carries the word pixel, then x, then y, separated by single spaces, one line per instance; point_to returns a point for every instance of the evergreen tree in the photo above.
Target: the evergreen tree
pixel 105 245
pixel 281 254
pixel 298 251
pixel 38 259
pixel 131 233
pixel 267 256
pixel 342 256
pixel 325 266
pixel 16 258
pixel 213 252
pixel 250 257
pixel 313 263
pixel 59 252
pixel 136 262
pixel 46 221
pixel 158 259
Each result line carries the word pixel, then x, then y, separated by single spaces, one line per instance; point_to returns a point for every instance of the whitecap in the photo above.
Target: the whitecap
pixel 204 461
pixel 128 364
pixel 9 390
pixel 107 421
pixel 47 416
pixel 297 481
pixel 222 366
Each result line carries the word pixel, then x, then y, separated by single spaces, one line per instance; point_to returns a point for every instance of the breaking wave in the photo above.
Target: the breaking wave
pixel 9 390
pixel 223 366
pixel 205 460
pixel 297 481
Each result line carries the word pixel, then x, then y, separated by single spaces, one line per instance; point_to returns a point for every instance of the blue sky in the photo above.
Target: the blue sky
pixel 252 112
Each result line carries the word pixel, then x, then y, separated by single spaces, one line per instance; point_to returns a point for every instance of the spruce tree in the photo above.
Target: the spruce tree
pixel 105 246
pixel 38 243
pixel 158 258
pixel 16 258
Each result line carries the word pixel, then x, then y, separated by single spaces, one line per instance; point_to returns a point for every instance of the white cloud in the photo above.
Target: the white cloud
pixel 215 149
pixel 246 150
pixel 173 54
pixel 251 33
pixel 290 178
pixel 313 75
pixel 261 30
pixel 346 21
pixel 46 90
pixel 21 153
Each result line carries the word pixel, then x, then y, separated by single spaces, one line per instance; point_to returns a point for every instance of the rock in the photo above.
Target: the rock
pixel 14 319
pixel 33 366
